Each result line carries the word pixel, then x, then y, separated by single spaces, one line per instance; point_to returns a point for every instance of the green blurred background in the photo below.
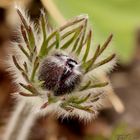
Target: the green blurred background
pixel 120 17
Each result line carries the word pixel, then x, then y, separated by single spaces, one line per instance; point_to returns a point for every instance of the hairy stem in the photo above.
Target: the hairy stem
pixel 14 124
pixel 27 125
pixel 22 118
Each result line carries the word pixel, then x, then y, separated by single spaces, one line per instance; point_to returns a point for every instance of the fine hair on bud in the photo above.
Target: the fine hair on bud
pixel 56 70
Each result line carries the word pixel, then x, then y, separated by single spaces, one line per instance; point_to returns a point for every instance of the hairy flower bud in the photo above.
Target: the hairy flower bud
pixel 51 80
pixel 60 73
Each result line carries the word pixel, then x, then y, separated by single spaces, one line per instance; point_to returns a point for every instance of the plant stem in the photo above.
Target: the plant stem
pixel 27 125
pixel 15 122
pixel 20 123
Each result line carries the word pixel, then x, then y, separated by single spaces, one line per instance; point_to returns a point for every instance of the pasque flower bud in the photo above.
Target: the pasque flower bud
pixel 60 73
pixel 57 71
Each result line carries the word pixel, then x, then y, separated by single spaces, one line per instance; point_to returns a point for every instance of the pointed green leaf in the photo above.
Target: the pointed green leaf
pixel 25 52
pixel 35 67
pixel 63 37
pixel 85 86
pixel 44 48
pixel 30 88
pixel 17 64
pixel 97 85
pixel 22 19
pixel 87 65
pixel 108 59
pixel 25 67
pixel 24 35
pixel 31 37
pixel 106 44
pixel 28 28
pixel 82 39
pixel 24 74
pixel 88 46
pixel 76 43
pixel 72 22
pixel 43 25
pixel 82 100
pixel 66 45
pixel 57 40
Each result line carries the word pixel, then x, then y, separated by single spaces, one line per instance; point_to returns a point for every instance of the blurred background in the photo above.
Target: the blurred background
pixel 120 17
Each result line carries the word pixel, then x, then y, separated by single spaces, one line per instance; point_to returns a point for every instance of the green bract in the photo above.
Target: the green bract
pixel 74 37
